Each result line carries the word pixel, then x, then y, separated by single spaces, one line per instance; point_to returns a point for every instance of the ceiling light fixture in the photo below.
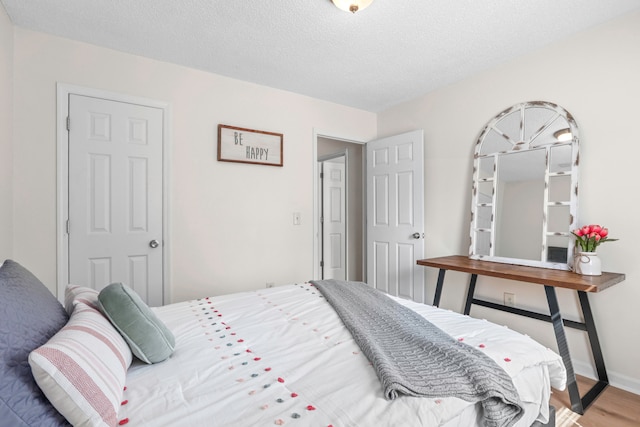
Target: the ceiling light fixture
pixel 352 6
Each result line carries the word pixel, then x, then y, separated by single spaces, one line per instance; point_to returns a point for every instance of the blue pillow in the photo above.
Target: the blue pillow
pixel 29 316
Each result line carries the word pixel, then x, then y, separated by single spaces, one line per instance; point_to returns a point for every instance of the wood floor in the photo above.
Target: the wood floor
pixel 613 408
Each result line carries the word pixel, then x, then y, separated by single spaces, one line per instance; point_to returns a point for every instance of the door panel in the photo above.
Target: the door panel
pixel 406 263
pixel 381 266
pixel 99 271
pixel 115 195
pixel 405 199
pixel 395 211
pixel 138 213
pixel 381 200
pixel 100 190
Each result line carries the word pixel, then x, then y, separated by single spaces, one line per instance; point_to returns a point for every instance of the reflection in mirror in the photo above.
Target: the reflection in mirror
pixel 557 251
pixel 525 187
pixel 558 218
pixel 483 241
pixel 559 188
pixel 485 192
pixel 486 168
pixel 560 159
pixel 520 194
pixel 484 217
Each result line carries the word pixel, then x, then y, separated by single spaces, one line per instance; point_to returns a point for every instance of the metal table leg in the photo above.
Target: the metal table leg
pixel 563 348
pixel 470 292
pixel 578 404
pixel 436 297
pixel 596 351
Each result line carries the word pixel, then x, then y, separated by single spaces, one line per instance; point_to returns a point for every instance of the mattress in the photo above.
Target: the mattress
pixel 281 356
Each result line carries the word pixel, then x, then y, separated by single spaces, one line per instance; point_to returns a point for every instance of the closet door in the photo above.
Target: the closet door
pixel 115 221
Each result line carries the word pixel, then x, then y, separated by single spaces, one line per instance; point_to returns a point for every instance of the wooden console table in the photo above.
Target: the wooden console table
pixel 551 279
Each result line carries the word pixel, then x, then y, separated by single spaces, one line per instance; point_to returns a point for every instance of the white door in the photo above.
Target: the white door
pixel 334 226
pixel 115 195
pixel 395 215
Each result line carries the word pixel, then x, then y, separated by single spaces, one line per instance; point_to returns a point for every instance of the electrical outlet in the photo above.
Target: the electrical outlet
pixel 509 299
pixel 270 284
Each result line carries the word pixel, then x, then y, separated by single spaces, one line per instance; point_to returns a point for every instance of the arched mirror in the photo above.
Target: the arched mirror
pixel 525 187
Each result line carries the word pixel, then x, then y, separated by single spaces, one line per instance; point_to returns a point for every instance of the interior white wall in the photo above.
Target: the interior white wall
pixel 6 136
pixel 594 75
pixel 231 224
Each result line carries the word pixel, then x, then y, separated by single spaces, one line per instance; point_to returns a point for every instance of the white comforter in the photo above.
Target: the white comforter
pixel 281 356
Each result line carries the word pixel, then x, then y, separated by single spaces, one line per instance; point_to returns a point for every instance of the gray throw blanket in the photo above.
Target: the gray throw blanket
pixel 414 357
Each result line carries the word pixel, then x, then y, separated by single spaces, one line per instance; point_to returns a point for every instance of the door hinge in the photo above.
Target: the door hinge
pixel 68 123
pixel 67 225
pixel 321 175
pixel 321 263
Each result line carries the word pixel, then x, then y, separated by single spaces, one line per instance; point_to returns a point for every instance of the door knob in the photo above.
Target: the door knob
pixel 154 243
pixel 416 235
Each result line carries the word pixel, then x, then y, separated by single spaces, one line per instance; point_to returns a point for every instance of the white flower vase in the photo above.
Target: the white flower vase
pixel 587 264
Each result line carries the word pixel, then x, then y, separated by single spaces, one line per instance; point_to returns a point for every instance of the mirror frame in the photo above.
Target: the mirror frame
pixel 522 146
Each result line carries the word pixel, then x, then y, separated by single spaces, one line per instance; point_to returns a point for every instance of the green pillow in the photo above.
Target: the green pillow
pixel 148 337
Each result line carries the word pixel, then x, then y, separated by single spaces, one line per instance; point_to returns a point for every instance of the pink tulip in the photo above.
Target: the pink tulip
pixel 590 236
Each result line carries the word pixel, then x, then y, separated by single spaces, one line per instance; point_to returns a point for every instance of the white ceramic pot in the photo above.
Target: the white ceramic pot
pixel 588 264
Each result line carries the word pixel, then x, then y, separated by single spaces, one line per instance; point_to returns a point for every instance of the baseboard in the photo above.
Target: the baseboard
pixel 617 380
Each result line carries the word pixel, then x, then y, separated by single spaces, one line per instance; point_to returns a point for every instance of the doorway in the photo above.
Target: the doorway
pixel 386 211
pixel 333 246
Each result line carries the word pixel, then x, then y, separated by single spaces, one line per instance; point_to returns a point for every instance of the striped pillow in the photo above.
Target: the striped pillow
pixel 82 369
pixel 74 294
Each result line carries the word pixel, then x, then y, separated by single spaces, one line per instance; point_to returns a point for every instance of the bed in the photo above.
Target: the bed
pixel 278 356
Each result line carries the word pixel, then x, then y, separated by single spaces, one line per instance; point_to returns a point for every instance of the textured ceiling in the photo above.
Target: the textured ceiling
pixel 389 53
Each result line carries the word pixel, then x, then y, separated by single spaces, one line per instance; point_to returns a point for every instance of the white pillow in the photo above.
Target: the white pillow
pixel 82 369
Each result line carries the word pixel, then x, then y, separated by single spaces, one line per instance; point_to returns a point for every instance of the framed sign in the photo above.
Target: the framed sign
pixel 249 146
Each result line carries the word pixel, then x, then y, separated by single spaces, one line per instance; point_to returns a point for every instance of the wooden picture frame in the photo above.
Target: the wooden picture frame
pixel 241 145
